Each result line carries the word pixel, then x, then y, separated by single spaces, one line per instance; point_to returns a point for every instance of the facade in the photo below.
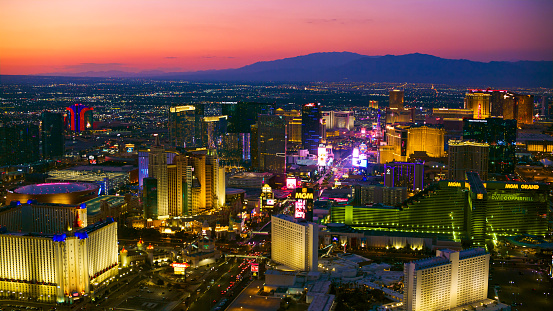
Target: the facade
pixel 271 143
pixel 19 143
pixel 449 280
pixel 242 115
pixel 404 174
pixel 79 118
pixel 338 120
pixel 475 212
pixel 500 135
pixel 185 125
pixel 509 105
pixel 58 267
pixel 464 156
pixel 406 140
pixel 311 129
pixel 368 195
pixel 479 103
pixel 149 195
pixel 157 168
pixel 294 243
pixel 293 124
pixel 396 99
pixel 53 140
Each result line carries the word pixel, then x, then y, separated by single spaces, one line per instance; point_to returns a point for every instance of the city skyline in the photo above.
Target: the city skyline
pixel 62 36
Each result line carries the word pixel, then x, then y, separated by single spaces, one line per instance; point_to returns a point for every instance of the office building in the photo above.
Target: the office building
pixel 157 168
pixel 479 103
pixel 476 212
pixel 404 174
pixel 500 135
pixel 406 140
pixel 19 143
pixel 396 99
pixel 79 118
pixel 53 140
pixel 294 243
pixel 449 280
pixel 311 129
pixel 55 267
pixel 466 156
pixel 271 144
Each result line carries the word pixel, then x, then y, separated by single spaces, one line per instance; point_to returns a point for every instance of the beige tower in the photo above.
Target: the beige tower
pixel 157 168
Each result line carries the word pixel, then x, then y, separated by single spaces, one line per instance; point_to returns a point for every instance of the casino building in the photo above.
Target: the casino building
pixel 50 253
pixel 470 210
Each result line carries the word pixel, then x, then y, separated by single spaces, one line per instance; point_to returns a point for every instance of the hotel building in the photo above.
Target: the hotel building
pixel 294 243
pixel 449 280
pixel 57 267
pixel 476 211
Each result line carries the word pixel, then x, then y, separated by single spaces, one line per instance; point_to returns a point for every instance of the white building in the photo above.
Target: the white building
pixel 294 243
pixel 449 280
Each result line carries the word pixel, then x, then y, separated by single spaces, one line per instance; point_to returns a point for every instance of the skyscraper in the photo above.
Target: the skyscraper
pixel 185 126
pixel 157 168
pixel 19 143
pixel 80 118
pixel 311 127
pixel 396 99
pixel 53 142
pixel 465 156
pixel 479 103
pixel 500 135
pixel 294 243
pixel 271 143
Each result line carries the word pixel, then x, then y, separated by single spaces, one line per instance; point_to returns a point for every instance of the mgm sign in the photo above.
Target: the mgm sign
pixel 304 203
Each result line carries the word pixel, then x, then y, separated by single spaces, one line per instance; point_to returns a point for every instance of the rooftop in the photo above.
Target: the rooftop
pixel 54 188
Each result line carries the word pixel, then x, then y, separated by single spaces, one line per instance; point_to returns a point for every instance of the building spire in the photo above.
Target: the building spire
pixel 156 143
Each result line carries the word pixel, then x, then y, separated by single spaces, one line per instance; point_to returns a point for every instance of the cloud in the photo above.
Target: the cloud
pixel 338 21
pixel 170 57
pixel 213 56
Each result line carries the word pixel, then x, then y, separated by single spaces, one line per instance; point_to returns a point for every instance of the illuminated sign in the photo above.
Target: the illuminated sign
pixel 300 209
pixel 530 187
pixel 322 156
pixel 454 184
pixel 270 201
pixel 304 195
pixel 510 197
pixel 291 182
pixel 182 265
pixel 255 267
pixel 523 187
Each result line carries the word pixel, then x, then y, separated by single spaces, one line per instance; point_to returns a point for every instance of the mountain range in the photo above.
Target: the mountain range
pixel 353 67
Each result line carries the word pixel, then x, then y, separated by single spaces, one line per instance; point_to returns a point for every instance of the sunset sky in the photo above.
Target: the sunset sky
pixel 187 35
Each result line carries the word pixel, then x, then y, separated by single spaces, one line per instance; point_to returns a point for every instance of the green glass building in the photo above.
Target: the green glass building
pixel 461 210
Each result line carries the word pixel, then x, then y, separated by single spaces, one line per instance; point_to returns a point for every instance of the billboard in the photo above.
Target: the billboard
pixel 322 156
pixel 300 209
pixel 255 267
pixel 291 183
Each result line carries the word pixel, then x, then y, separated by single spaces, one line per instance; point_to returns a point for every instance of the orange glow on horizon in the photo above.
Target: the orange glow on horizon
pixel 76 36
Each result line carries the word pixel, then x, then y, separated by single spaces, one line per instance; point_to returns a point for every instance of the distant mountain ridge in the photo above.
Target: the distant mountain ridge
pixel 353 67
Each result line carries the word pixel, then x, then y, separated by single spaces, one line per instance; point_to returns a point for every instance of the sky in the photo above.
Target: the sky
pixel 188 35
